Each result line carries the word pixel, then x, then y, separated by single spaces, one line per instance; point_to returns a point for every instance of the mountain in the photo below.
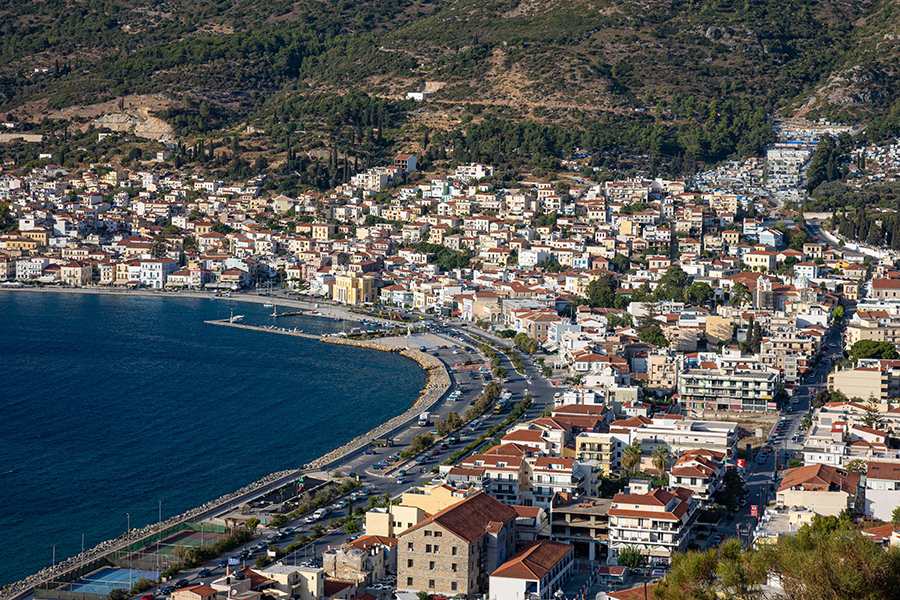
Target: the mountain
pixel 673 78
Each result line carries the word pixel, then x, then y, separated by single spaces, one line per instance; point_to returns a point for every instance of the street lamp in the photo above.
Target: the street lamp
pixel 128 533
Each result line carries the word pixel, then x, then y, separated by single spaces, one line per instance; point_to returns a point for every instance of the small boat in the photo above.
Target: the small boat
pixel 268 305
pixel 236 318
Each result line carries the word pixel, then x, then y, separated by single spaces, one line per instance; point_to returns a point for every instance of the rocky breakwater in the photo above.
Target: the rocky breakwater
pixel 436 385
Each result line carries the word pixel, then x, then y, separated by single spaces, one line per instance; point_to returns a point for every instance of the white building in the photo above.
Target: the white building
pixel 537 571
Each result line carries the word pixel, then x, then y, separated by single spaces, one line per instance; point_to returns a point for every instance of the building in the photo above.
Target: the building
pixel 882 489
pixel 302 583
pixel 582 522
pixel 879 382
pixel 536 571
pixel 700 471
pixel 194 592
pixel 883 289
pixel 823 489
pixel 353 289
pixel 654 521
pixel 728 389
pixel 455 550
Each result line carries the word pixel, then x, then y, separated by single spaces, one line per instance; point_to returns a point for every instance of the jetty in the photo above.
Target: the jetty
pixel 281 330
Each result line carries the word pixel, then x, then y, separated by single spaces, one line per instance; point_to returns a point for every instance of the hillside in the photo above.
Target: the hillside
pixel 686 80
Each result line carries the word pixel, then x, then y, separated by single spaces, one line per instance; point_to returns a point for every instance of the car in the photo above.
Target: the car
pixel 148 597
pixel 340 504
pixel 435 452
pixel 717 539
pixel 310 519
pixel 657 573
pixel 204 573
pixel 401 473
pixel 401 480
pixel 287 530
pixel 168 589
pixel 223 562
pixel 182 583
pixel 238 575
pixel 369 452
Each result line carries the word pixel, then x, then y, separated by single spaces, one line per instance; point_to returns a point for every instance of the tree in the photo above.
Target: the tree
pixel 118 594
pixel 740 295
pixel 454 421
pixel 837 315
pixel 500 373
pixel 352 527
pixel 601 292
pixel 856 465
pixel 872 349
pixel 895 516
pixel 872 417
pixel 220 227
pixel 630 557
pixel 654 335
pixel 794 463
pixel 698 293
pixel 672 285
pixel 252 523
pixel 631 456
pixel 420 442
pixel 159 248
pixel 661 457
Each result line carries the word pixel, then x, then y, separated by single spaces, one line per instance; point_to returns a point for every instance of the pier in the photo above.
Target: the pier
pixel 230 323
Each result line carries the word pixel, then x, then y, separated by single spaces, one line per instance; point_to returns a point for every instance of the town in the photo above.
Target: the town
pixel 665 365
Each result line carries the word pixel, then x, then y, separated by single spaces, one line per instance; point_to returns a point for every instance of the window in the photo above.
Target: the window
pixel 438 533
pixel 409 546
pixel 409 562
pixel 431 584
pixel 427 533
pixel 453 550
pixel 437 549
pixel 453 567
pixel 431 565
pixel 427 548
pixel 453 586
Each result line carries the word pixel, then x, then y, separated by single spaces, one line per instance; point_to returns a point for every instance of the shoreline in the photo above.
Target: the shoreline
pixel 437 383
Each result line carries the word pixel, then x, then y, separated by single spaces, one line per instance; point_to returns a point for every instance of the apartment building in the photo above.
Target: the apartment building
pixel 455 550
pixel 700 471
pixel 728 389
pixel 876 379
pixel 823 489
pixel 538 570
pixel 656 522
pixel 582 522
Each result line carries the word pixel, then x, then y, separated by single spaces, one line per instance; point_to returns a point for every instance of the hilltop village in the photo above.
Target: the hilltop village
pixel 723 364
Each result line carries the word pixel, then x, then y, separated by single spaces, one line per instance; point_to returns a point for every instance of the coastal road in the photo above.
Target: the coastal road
pixel 458 347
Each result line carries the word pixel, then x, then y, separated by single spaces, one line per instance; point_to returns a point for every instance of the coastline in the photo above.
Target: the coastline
pixel 436 384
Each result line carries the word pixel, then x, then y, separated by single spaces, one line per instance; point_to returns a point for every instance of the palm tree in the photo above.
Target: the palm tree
pixel 661 457
pixel 631 456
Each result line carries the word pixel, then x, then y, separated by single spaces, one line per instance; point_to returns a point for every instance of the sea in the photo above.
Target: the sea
pixel 113 405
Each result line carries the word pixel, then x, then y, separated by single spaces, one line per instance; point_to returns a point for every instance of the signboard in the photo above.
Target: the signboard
pixel 754 510
pixel 741 463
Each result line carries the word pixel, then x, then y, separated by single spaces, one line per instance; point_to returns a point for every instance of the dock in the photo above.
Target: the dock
pixel 229 323
pixel 290 313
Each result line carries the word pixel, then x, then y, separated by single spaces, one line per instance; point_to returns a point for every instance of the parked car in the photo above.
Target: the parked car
pixel 168 589
pixel 204 573
pixel 182 583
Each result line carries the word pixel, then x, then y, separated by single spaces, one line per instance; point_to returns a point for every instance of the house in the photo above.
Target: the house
pixel 883 289
pixel 582 522
pixel 882 489
pixel 823 489
pixel 536 571
pixel 455 550
pixel 194 592
pixel 301 583
pixel 656 522
pixel 405 162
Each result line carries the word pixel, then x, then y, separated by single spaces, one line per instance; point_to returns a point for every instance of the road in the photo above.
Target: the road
pixel 815 229
pixel 758 477
pixel 459 346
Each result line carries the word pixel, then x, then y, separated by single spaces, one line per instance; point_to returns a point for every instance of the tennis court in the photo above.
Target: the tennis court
pixel 107 579
pixel 163 556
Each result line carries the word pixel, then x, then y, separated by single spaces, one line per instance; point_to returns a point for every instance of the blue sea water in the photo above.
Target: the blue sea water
pixel 111 404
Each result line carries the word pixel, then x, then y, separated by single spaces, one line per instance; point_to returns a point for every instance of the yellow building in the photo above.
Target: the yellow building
pixel 352 289
pixel 599 447
pixel 41 236
pixel 415 505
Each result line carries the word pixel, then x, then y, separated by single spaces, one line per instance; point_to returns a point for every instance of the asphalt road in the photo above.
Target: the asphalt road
pixel 815 230
pixel 759 476
pixel 459 347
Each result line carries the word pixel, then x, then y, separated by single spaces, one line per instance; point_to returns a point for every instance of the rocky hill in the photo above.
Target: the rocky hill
pixel 700 76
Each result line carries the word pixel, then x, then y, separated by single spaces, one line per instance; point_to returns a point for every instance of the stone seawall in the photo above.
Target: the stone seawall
pixel 436 385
